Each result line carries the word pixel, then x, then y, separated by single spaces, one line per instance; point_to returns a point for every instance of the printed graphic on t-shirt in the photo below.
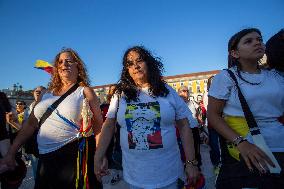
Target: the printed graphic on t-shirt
pixel 143 126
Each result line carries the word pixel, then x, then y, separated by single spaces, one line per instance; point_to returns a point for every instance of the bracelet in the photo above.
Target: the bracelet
pixel 193 162
pixel 238 140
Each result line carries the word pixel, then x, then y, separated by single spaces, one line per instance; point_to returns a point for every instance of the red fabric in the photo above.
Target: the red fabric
pixel 281 119
pixel 104 109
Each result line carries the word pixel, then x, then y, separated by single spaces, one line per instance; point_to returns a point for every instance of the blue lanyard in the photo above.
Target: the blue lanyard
pixel 69 122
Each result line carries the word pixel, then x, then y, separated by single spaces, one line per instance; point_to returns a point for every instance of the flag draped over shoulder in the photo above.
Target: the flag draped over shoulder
pixel 43 65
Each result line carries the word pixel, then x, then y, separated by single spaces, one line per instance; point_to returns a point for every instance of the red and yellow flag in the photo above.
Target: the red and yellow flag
pixel 43 65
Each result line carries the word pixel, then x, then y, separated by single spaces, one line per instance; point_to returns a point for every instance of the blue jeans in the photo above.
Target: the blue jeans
pixel 214 145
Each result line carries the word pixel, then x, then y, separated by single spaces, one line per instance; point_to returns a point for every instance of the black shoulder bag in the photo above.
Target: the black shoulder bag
pixel 31 146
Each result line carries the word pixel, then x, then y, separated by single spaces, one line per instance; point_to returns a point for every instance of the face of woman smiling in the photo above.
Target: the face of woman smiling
pixel 67 67
pixel 137 68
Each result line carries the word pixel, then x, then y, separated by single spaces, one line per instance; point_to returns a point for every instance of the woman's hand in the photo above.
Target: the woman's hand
pixel 7 163
pixel 100 167
pixel 192 174
pixel 254 157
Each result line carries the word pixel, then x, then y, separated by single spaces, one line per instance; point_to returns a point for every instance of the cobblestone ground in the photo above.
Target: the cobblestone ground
pixel 207 169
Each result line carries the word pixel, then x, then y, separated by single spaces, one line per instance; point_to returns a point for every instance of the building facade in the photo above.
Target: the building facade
pixel 196 83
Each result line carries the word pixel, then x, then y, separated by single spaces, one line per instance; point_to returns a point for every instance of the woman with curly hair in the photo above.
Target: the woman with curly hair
pixel 65 144
pixel 147 110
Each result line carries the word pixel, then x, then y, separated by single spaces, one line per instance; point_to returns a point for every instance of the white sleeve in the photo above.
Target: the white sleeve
pixel 221 86
pixel 181 109
pixel 112 110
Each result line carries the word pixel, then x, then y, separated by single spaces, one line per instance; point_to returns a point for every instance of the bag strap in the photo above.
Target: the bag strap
pixel 247 112
pixel 51 108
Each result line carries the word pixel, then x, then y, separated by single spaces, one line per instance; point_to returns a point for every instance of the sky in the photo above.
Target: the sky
pixel 188 35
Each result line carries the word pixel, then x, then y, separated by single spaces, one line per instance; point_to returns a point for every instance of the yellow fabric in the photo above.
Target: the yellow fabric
pixel 78 169
pixel 86 171
pixel 42 63
pixel 240 126
pixel 21 118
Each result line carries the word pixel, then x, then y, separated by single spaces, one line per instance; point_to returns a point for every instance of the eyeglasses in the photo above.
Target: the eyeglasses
pixel 184 91
pixel 38 92
pixel 20 104
pixel 132 64
pixel 70 62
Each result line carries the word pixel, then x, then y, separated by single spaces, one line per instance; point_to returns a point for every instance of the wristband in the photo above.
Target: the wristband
pixel 192 162
pixel 238 140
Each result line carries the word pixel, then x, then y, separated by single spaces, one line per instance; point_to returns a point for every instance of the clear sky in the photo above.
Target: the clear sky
pixel 189 35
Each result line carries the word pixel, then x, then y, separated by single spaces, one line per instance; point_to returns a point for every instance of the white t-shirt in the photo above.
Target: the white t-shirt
pixel 266 101
pixel 192 119
pixel 150 153
pixel 55 132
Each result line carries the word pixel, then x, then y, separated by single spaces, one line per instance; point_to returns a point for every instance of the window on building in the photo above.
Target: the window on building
pixel 198 89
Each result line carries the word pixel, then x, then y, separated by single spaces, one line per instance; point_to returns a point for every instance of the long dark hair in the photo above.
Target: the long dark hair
pixel 233 45
pixel 275 51
pixel 154 69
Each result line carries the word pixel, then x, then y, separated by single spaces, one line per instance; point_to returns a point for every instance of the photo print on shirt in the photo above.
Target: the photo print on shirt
pixel 143 126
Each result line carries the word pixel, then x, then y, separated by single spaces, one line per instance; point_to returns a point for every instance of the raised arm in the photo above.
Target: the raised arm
pixel 12 121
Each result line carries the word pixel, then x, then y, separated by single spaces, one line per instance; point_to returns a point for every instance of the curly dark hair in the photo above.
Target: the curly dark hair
pixel 83 79
pixel 275 51
pixel 233 45
pixel 155 79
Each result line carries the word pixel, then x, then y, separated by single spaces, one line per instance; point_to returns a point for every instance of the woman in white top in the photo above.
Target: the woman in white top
pixel 59 136
pixel 147 110
pixel 247 165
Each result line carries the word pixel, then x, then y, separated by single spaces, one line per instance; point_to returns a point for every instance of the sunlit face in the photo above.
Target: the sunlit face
pixel 111 90
pixel 184 93
pixel 20 107
pixel 137 68
pixel 199 98
pixel 67 67
pixel 250 47
pixel 38 92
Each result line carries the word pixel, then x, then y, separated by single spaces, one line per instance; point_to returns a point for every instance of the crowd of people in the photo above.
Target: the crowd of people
pixel 156 130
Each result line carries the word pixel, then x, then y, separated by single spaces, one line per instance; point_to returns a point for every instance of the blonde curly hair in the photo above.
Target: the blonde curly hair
pixel 55 84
